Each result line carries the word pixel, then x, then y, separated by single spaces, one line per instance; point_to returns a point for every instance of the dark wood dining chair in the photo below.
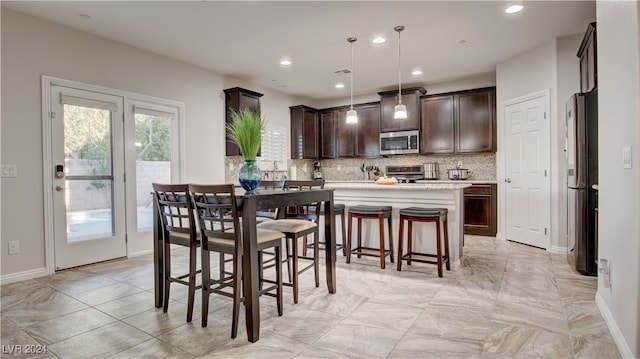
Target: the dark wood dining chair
pixel 179 228
pixel 217 212
pixel 299 222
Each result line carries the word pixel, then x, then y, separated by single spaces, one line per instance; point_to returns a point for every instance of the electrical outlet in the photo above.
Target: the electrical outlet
pixel 626 156
pixel 14 247
pixel 9 171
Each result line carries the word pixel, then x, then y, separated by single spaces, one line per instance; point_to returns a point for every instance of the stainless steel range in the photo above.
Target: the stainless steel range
pixel 406 174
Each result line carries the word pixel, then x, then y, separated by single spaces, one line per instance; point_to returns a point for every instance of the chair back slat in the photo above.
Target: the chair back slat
pixel 308 211
pixel 175 208
pixel 217 211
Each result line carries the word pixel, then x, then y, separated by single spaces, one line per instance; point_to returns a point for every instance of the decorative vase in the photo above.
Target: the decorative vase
pixel 249 176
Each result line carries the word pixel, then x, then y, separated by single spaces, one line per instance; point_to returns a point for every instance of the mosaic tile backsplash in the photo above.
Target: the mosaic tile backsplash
pixel 481 165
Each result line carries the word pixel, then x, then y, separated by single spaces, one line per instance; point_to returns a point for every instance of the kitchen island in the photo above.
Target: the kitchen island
pixel 424 194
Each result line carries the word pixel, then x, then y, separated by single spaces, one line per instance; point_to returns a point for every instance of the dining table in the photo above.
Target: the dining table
pixel 248 205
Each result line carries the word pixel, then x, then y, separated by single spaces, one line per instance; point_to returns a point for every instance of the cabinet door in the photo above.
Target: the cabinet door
pixel 239 99
pixel 328 129
pixel 475 125
pixel 368 131
pixel 304 133
pixel 437 120
pixel 480 210
pixel 388 104
pixel 346 135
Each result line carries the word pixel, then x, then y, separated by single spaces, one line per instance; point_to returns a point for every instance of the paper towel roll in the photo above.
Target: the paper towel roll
pixel 293 173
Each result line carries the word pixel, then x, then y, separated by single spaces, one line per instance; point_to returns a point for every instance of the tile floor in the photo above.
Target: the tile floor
pixel 507 301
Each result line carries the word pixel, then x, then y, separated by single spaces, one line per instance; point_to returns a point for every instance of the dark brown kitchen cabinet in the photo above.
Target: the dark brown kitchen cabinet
pixel 305 133
pixel 388 102
pixel 368 130
pixel 438 126
pixel 351 139
pixel 588 60
pixel 476 122
pixel 328 133
pixel 238 99
pixel 459 122
pixel 481 210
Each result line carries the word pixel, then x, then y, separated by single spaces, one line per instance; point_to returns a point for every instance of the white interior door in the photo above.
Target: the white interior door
pixel 88 196
pixel 528 198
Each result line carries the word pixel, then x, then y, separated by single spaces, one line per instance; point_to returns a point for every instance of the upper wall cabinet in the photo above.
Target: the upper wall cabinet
pixel 459 122
pixel 238 99
pixel 588 60
pixel 304 133
pixel 410 98
pixel 328 133
pixel 343 140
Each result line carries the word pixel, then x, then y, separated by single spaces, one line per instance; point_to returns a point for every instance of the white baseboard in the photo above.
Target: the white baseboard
pixel 141 253
pixel 558 250
pixel 500 236
pixel 20 276
pixel 616 333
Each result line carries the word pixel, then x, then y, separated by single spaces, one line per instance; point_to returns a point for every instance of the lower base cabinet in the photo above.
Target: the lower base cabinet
pixel 480 209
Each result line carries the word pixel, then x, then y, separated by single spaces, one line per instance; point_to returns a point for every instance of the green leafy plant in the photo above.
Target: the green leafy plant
pixel 245 130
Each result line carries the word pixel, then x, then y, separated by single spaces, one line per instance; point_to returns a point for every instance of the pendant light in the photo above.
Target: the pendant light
pixel 400 111
pixel 352 115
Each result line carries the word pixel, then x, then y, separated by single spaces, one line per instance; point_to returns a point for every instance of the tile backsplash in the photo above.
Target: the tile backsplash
pixel 481 165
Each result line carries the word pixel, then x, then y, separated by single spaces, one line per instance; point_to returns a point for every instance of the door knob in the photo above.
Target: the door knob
pixel 508 180
pixel 59 188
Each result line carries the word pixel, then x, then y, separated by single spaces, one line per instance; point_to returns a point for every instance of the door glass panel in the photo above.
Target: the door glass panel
pixel 89 173
pixel 153 163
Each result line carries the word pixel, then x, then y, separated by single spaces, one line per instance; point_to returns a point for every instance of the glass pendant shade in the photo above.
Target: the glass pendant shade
pixel 352 116
pixel 400 112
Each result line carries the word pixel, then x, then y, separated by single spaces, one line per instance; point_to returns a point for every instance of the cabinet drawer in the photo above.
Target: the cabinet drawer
pixel 478 189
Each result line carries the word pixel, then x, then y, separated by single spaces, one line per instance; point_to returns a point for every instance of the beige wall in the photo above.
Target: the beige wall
pixel 619 196
pixel 32 48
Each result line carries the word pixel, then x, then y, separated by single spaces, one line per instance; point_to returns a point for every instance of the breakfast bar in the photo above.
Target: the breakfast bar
pixel 422 194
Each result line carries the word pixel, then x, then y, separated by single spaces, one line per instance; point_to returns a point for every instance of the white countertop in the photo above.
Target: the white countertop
pixel 422 185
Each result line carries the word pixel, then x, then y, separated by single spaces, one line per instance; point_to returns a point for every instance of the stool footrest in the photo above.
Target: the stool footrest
pixel 409 256
pixel 359 251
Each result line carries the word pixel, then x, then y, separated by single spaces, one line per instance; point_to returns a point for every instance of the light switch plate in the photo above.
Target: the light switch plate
pixel 9 171
pixel 626 156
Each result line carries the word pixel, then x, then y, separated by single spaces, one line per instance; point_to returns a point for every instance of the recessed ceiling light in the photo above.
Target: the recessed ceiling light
pixel 285 62
pixel 379 40
pixel 339 85
pixel 416 72
pixel 514 9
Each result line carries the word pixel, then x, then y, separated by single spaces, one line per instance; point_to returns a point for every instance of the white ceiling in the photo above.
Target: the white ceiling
pixel 248 39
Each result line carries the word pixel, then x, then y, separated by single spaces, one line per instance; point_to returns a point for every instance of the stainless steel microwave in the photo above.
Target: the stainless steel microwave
pixel 397 143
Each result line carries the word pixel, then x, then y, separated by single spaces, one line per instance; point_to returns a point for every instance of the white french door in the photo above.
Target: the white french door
pixel 528 199
pixel 151 156
pixel 88 196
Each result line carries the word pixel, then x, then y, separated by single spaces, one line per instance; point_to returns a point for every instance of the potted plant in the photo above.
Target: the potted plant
pixel 245 130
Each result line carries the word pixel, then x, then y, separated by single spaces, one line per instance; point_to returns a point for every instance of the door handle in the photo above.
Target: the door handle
pixel 59 188
pixel 508 180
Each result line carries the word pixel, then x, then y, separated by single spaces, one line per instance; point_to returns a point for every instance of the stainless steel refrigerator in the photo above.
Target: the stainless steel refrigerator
pixel 582 174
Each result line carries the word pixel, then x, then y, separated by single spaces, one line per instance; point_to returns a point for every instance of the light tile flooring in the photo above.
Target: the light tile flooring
pixel 507 301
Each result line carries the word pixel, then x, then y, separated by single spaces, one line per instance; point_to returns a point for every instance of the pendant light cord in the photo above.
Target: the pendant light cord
pixel 351 40
pixel 399 73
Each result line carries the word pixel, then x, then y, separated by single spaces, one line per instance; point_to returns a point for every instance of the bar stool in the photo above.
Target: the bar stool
pixel 417 214
pixel 338 210
pixel 370 212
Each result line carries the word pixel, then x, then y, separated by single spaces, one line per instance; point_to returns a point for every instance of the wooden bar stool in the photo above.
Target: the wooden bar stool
pixel 338 210
pixel 417 214
pixel 370 212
